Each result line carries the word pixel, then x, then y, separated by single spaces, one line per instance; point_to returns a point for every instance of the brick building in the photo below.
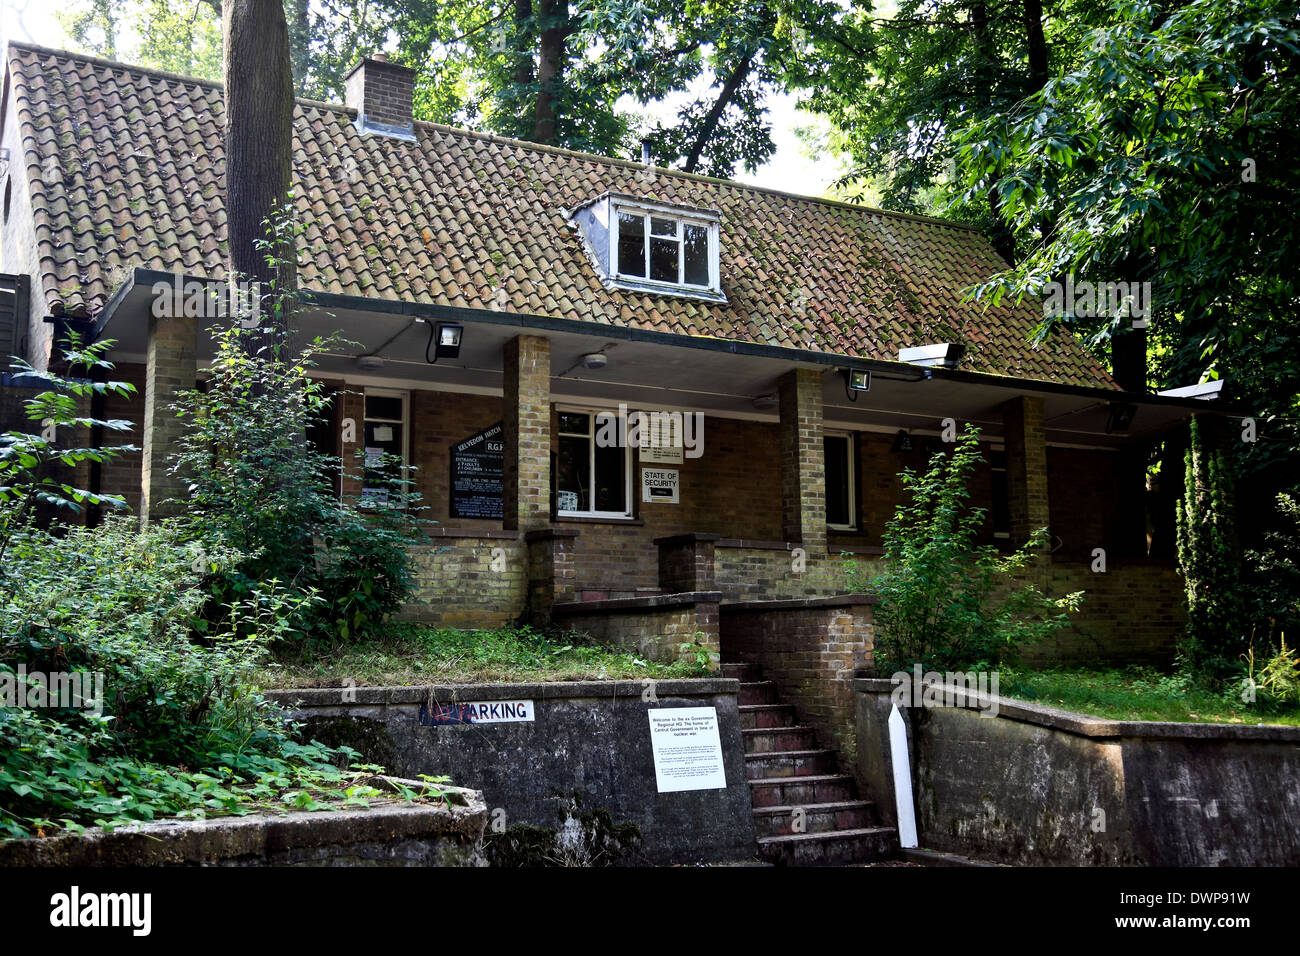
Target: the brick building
pixel 826 346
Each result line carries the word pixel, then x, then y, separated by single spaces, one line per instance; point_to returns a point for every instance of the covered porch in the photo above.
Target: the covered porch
pixel 792 469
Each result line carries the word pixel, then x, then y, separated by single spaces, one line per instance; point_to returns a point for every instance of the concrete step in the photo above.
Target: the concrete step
pixel 758 692
pixel 766 716
pixel 791 791
pixel 815 818
pixel 748 673
pixel 833 848
pixel 770 739
pixel 789 763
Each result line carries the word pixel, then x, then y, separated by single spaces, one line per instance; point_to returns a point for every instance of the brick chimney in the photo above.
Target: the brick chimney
pixel 380 92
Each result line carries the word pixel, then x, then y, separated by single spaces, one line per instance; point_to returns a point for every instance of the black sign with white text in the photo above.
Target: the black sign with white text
pixel 477 469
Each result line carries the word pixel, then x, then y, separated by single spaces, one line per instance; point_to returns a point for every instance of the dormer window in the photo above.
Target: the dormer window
pixel 653 247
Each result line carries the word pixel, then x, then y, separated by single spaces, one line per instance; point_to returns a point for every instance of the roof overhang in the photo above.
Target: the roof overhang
pixel 654 369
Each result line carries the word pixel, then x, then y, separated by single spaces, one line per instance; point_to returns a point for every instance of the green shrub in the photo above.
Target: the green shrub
pixel 255 485
pixel 30 461
pixel 1216 632
pixel 1279 679
pixel 944 600
pixel 173 723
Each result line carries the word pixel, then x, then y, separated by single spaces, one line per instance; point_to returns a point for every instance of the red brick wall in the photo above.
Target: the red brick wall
pixel 732 489
pixel 811 654
pixel 438 421
pixel 121 475
pixel 1083 498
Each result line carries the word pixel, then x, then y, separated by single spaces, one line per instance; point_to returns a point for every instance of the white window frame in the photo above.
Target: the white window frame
pixel 403 425
pixel 999 535
pixel 683 218
pixel 853 480
pixel 591 414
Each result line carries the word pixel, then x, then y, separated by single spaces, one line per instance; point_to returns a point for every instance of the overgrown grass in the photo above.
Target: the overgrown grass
pixel 1141 693
pixel 412 654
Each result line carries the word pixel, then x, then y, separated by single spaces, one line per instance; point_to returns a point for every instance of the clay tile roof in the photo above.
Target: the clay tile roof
pixel 125 167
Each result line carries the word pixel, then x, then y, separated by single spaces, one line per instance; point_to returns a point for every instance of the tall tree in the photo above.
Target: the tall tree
pixel 259 143
pixel 1166 155
pixel 899 86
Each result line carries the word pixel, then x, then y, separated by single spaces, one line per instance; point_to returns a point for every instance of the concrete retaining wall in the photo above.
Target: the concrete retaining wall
pixel 583 764
pixel 384 834
pixel 1041 786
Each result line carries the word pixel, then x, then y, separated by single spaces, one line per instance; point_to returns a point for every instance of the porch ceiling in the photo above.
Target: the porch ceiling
pixel 656 370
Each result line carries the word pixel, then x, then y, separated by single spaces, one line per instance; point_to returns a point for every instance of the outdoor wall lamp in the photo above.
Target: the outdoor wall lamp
pixel 1120 417
pixel 855 380
pixel 447 337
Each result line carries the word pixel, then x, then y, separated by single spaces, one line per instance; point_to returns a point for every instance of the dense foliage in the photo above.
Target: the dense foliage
pixel 257 486
pixel 1208 553
pixel 167 718
pixel 944 599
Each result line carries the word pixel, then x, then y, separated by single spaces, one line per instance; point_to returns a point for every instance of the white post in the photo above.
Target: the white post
pixel 902 779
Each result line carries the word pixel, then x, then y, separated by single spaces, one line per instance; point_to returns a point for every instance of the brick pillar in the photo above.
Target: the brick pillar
pixel 350 418
pixel 686 562
pixel 552 577
pixel 527 427
pixel 1026 448
pixel 170 367
pixel 803 466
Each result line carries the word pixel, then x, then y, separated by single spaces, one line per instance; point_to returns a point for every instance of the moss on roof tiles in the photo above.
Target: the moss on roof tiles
pixel 458 209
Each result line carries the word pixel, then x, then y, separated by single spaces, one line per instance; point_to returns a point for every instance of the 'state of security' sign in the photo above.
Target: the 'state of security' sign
pixel 687 749
pixel 660 484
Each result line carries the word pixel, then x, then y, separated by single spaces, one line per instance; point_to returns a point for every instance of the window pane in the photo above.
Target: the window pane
pixel 663 259
pixel 384 406
pixel 575 422
pixel 572 468
pixel 611 482
pixel 382 464
pixel 631 244
pixel 695 250
pixel 663 227
pixel 837 479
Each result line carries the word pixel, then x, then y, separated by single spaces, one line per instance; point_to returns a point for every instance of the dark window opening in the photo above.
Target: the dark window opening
pixel 839 481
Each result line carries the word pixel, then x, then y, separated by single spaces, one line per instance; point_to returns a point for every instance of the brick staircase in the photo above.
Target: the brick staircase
pixel 791 779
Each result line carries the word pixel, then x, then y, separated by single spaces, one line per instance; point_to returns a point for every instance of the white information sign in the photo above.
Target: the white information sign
pixel 661 439
pixel 687 749
pixel 661 484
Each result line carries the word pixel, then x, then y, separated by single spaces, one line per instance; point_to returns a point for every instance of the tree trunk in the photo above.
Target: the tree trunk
pixel 553 19
pixel 1004 241
pixel 523 42
pixel 1128 359
pixel 734 81
pixel 1036 44
pixel 259 144
pixel 300 43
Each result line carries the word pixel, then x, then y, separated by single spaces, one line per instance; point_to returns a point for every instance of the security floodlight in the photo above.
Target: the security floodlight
pixel 446 336
pixel 855 380
pixel 1120 417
